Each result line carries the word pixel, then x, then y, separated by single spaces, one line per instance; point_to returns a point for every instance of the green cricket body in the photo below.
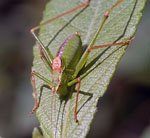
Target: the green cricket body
pixel 64 64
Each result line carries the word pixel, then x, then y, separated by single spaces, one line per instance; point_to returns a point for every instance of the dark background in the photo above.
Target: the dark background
pixel 124 111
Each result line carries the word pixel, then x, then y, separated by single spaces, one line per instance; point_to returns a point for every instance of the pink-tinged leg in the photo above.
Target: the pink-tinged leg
pixel 109 11
pixel 77 96
pixel 35 93
pixel 109 45
pixel 47 53
pixel 61 15
pixel 44 59
pixel 34 73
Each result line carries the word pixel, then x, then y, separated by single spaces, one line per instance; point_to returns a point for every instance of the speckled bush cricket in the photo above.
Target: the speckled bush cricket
pixel 66 67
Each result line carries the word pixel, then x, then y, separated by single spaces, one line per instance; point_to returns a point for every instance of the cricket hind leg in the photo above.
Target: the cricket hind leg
pixel 48 54
pixel 87 51
pixel 33 73
pixel 110 45
pixel 78 80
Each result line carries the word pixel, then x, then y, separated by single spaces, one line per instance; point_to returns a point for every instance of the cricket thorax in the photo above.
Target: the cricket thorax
pixel 56 73
pixel 56 64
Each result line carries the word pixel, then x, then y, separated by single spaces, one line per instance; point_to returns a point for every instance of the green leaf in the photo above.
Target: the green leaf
pixel 120 26
pixel 36 133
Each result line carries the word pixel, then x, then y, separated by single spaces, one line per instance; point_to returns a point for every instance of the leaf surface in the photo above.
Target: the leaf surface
pixel 36 133
pixel 101 64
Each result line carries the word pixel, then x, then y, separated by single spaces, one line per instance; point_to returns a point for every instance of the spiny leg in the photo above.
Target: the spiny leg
pixel 86 53
pixel 33 73
pixel 48 54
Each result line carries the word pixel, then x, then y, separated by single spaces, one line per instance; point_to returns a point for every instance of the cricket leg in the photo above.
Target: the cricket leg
pixel 44 59
pixel 110 45
pixel 61 15
pixel 33 73
pixel 107 45
pixel 77 97
pixel 86 53
pixel 45 50
pixel 78 80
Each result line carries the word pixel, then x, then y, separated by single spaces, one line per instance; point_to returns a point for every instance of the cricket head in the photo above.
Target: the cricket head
pixel 56 73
